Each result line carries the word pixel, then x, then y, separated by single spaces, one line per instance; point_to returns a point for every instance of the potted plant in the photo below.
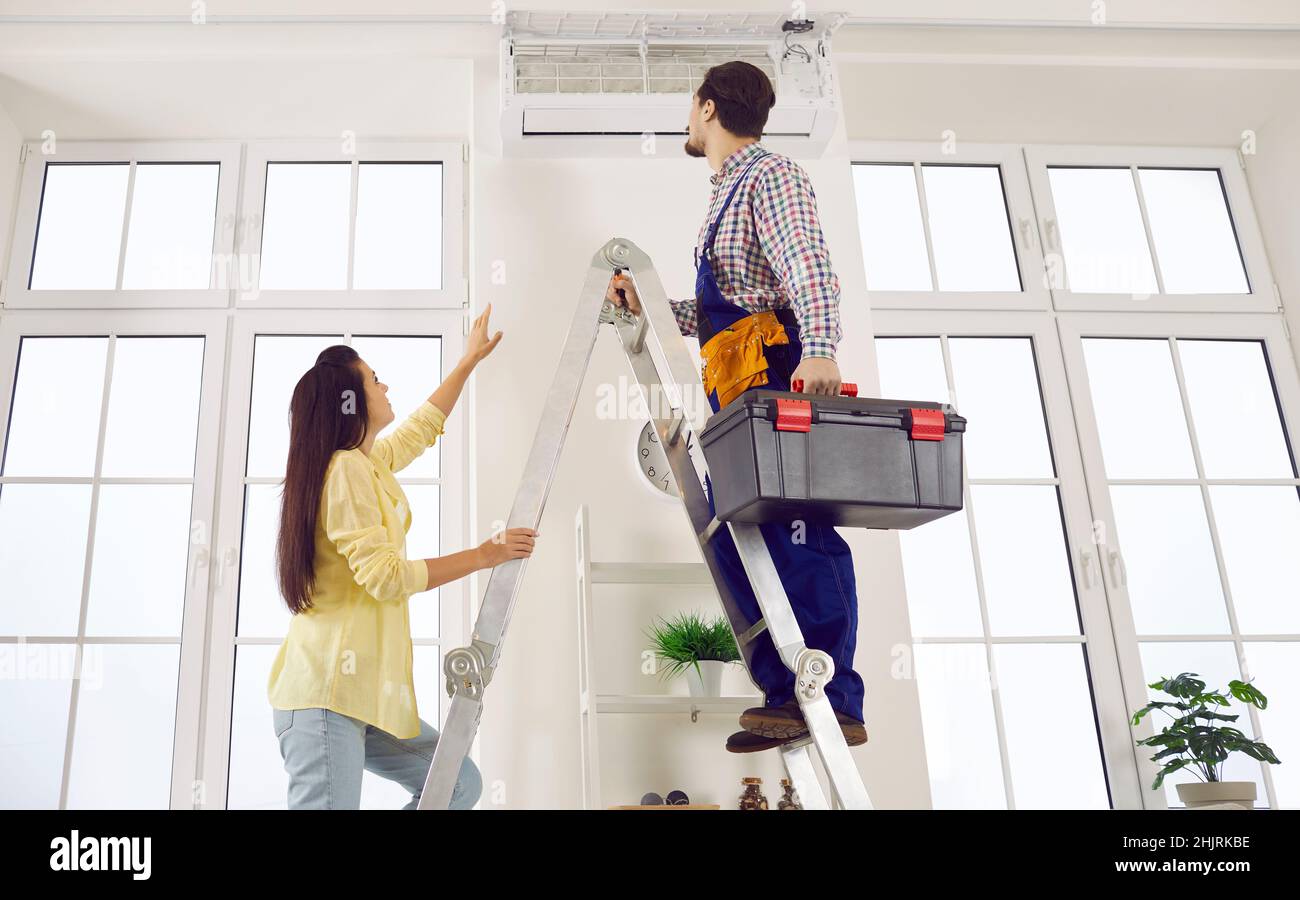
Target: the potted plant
pixel 699 648
pixel 1192 740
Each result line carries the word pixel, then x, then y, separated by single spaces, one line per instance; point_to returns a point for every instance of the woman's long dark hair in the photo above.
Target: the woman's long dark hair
pixel 327 413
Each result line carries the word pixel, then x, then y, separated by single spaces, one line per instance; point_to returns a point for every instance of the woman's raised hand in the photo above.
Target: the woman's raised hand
pixel 478 345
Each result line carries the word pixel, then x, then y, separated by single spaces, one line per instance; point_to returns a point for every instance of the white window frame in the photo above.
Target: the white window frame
pixel 211 326
pixel 454 598
pixel 1263 296
pixel 1119 759
pixel 18 295
pixel 1073 328
pixel 454 292
pixel 1020 225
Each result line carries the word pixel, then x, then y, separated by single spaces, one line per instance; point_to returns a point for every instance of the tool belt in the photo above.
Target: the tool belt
pixel 733 361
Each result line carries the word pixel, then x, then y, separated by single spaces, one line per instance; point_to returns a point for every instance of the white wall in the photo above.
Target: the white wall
pixel 1275 190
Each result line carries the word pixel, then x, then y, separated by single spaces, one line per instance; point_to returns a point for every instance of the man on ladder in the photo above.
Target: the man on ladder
pixel 764 283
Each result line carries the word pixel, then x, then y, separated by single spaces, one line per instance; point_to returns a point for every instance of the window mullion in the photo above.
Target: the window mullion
pixel 1146 228
pixel 925 225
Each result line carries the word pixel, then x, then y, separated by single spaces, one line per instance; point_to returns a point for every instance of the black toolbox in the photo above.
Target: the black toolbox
pixel 780 456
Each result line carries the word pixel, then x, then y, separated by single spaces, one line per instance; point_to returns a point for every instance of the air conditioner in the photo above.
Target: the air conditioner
pixel 620 84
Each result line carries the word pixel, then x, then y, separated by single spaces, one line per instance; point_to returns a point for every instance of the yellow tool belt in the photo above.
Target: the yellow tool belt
pixel 732 361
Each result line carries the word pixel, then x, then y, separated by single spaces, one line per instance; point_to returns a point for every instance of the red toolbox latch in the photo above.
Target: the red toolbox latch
pixel 927 424
pixel 793 415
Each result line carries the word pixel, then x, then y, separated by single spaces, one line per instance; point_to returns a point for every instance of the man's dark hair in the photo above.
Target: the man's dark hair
pixel 742 94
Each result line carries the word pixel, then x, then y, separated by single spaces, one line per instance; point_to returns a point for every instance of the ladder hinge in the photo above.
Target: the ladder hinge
pixel 464 152
pixel 464 293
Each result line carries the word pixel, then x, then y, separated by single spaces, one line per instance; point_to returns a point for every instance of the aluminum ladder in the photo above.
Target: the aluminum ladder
pixel 469 669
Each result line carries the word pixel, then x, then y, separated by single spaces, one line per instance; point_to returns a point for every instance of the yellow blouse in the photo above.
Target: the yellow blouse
pixel 351 652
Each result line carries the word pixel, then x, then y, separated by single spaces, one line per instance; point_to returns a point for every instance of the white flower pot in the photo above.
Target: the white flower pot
pixel 707 682
pixel 1218 794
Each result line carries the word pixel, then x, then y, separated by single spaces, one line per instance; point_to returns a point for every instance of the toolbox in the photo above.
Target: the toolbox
pixel 781 456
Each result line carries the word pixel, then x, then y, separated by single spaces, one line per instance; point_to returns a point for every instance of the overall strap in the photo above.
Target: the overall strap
pixel 713 228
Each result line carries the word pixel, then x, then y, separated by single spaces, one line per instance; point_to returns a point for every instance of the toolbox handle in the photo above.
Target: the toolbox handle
pixel 847 388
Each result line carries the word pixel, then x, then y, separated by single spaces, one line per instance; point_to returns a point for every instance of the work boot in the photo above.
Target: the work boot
pixel 786 722
pixel 748 742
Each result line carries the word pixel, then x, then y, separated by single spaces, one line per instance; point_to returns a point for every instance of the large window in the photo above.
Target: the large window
pixel 102 517
pixel 143 449
pixel 1158 504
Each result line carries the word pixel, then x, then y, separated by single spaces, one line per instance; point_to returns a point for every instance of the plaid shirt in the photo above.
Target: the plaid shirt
pixel 769 249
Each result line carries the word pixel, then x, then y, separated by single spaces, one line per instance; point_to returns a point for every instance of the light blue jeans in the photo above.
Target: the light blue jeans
pixel 325 753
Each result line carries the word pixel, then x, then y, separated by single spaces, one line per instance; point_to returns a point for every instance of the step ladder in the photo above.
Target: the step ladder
pixel 469 669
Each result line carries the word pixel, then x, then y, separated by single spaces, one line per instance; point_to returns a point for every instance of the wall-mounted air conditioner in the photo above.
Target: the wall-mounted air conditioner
pixel 592 84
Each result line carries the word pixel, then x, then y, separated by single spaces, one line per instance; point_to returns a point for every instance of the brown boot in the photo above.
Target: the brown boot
pixel 786 721
pixel 748 742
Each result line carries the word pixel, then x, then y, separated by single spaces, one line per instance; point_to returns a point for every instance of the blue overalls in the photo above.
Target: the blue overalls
pixel 818 573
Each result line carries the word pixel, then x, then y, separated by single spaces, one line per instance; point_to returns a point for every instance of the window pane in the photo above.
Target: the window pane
pixel 1259 532
pixel 1173 580
pixel 173 217
pixel 1215 663
pixel 1192 232
pixel 257 778
pixel 399 226
pixel 1275 668
pixel 942 600
pixel 912 369
pixel 422 542
pixel 126 721
pixel 142 544
pixel 889 220
pixel 1139 409
pixel 969 229
pixel 278 363
pixel 262 612
pixel 1102 238
pixel 54 423
pixel 1023 560
pixel 154 379
pixel 1235 413
pixel 411 367
pixel 996 382
pixel 34 699
pixel 79 234
pixel 961 739
pixel 305 226
pixel 1044 691
pixel 43 532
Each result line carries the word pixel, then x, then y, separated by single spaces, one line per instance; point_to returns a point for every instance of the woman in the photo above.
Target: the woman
pixel 341 687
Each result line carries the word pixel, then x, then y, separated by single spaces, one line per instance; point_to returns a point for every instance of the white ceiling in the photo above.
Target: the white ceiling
pixel 135 77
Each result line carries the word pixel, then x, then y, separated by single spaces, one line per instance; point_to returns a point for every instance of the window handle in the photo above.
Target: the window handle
pixel 201 558
pixel 227 559
pixel 1085 566
pixel 1027 234
pixel 1118 571
pixel 1053 236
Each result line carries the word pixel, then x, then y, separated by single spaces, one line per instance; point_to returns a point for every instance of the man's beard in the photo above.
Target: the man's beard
pixel 692 150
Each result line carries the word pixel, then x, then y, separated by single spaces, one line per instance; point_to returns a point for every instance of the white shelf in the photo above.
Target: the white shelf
pixel 670 703
pixel 650 573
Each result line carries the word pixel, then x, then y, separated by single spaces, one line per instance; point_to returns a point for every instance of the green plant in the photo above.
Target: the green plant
pixel 1207 745
pixel 688 639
